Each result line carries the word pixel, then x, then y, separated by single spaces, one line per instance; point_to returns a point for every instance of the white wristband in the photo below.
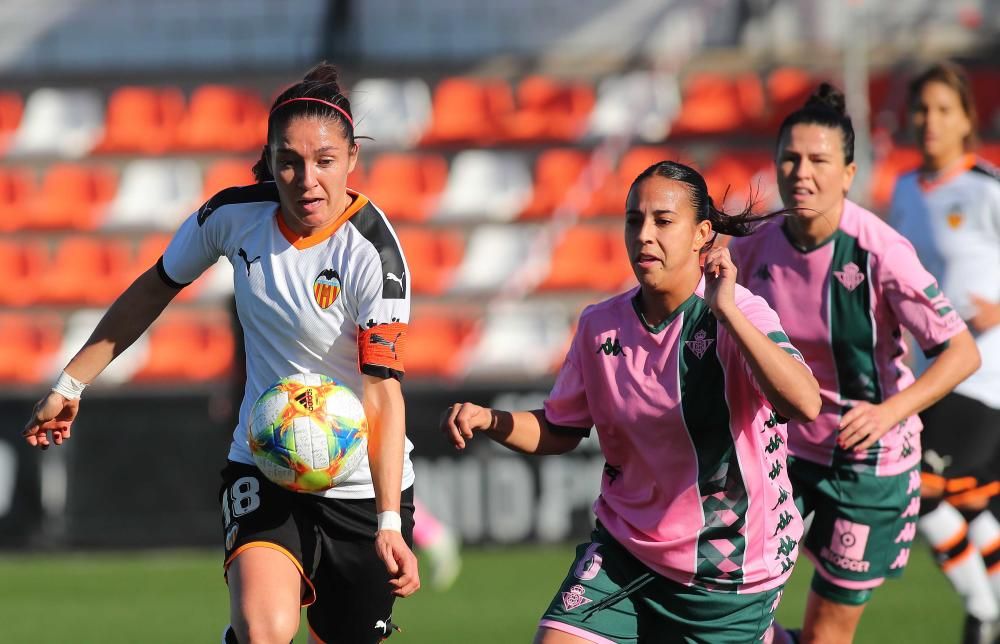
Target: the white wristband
pixel 390 521
pixel 69 387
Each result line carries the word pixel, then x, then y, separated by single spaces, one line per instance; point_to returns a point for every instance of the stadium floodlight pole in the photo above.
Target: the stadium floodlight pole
pixel 855 48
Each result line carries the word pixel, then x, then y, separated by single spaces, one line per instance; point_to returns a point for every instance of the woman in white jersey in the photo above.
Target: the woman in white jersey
pixel 949 208
pixel 845 284
pixel 346 552
pixel 685 378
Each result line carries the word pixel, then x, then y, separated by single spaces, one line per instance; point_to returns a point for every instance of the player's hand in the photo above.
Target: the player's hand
pixel 462 419
pixel 864 424
pixel 987 314
pixel 720 282
pixel 53 415
pixel 399 561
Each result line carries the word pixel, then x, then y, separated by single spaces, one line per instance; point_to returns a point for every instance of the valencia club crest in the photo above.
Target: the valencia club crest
pixel 326 288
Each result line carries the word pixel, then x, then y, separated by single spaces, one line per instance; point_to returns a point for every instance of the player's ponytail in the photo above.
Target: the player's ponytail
pixel 317 94
pixel 738 224
pixel 827 107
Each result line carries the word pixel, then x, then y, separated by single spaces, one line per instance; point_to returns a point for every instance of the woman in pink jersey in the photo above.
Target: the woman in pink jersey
pixel 845 285
pixel 686 378
pixel 949 208
pixel 344 553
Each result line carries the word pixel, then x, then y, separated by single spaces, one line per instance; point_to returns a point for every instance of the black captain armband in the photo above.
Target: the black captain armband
pixel 162 272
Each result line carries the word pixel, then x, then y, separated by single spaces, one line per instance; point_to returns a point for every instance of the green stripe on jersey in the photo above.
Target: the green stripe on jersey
pixel 721 546
pixel 782 341
pixel 852 332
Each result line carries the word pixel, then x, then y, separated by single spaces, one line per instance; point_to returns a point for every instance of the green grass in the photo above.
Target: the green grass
pixel 180 597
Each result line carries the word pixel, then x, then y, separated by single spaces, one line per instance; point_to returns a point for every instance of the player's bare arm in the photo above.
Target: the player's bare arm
pixel 522 431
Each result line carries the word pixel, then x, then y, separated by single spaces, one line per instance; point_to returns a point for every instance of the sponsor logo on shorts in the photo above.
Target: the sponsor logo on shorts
pixel 847 546
pixel 231 536
pixel 574 597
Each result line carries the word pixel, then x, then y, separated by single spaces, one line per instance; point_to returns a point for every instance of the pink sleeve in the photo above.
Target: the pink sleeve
pixel 566 407
pixel 763 317
pixel 915 298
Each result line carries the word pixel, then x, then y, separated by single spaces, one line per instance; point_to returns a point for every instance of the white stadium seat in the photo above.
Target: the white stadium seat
pixel 640 104
pixel 59 122
pixel 485 185
pixel 155 193
pixel 394 113
pixel 492 254
pixel 519 340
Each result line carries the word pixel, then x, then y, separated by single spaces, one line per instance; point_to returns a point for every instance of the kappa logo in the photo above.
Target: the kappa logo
pixel 700 344
pixel 611 348
pixel 243 255
pixel 763 273
pixel 574 597
pixel 850 276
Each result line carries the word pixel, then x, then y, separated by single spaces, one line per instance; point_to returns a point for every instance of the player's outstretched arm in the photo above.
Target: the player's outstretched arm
pixel 787 383
pixel 129 316
pixel 384 407
pixel 522 431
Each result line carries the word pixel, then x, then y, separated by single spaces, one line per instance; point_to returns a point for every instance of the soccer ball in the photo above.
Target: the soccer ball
pixel 308 432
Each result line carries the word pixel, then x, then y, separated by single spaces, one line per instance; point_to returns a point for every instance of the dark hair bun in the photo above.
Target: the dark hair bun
pixel 829 97
pixel 324 74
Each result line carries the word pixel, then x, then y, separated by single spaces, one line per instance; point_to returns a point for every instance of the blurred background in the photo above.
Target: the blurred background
pixel 505 137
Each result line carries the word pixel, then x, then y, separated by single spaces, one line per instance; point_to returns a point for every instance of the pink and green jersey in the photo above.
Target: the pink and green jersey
pixel 844 304
pixel 695 484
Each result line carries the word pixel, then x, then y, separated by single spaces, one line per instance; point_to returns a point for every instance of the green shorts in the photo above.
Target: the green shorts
pixel 611 597
pixel 863 525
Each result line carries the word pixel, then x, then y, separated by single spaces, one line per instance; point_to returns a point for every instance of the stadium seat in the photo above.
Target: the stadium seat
pixel 432 256
pixel 59 122
pixel 17 192
pixel 614 191
pixel 493 253
pixel 86 270
pixel 519 340
pixel 31 341
pixel 579 261
pixel 223 119
pixel 176 338
pixel 467 111
pixel 887 170
pixel 548 111
pixel 744 174
pixel 78 327
pixel 407 187
pixel 142 120
pixel 434 342
pixel 11 109
pixel 787 90
pixel 484 184
pixel 73 196
pixel 557 170
pixel 22 262
pixel 717 104
pixel 155 193
pixel 394 113
pixel 639 104
pixel 226 173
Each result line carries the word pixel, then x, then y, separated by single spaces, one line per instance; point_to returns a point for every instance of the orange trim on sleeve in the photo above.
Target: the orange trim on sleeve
pixel 383 345
pixel 309 597
pixel 323 234
pixel 990 549
pixel 976 494
pixel 959 558
pixel 953 541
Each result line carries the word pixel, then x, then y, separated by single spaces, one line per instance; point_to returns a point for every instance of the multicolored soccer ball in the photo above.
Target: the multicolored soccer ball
pixel 308 432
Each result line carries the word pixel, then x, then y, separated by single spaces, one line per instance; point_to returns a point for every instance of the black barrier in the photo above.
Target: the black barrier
pixel 143 471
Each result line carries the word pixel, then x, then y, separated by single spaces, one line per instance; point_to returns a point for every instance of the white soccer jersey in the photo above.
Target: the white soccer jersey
pixel 335 303
pixel 954 224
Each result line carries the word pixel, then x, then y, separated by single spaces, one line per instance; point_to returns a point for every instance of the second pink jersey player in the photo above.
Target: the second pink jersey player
pixel 851 297
pixel 695 485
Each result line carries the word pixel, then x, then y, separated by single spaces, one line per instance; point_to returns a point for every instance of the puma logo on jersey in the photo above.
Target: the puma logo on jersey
pixel 850 276
pixel 392 277
pixel 243 255
pixel 377 339
pixel 385 627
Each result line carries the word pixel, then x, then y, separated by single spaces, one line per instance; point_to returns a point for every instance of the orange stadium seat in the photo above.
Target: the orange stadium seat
pixel 744 174
pixel 30 343
pixel 579 261
pixel 787 90
pixel 17 191
pixel 86 269
pixel 468 111
pixel 715 104
pixel 432 345
pixel 556 171
pixel 226 173
pixel 11 109
pixel 407 186
pixel 887 170
pixel 549 110
pixel 613 193
pixel 175 338
pixel 223 119
pixel 432 255
pixel 142 120
pixel 22 262
pixel 73 196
